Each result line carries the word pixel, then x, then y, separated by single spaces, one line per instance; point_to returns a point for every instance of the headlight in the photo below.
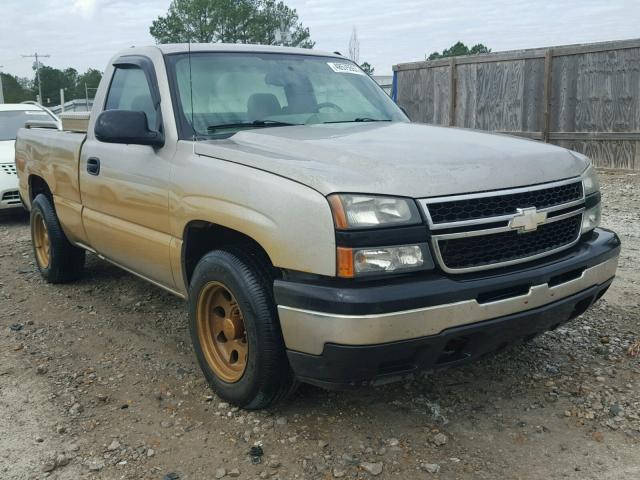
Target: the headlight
pixel 590 181
pixel 353 211
pixel 593 209
pixel 591 218
pixel 354 262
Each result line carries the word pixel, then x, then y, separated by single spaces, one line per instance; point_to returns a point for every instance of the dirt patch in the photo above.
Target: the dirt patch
pixel 98 380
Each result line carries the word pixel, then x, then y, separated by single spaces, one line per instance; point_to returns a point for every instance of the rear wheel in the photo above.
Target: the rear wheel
pixel 57 260
pixel 41 241
pixel 235 330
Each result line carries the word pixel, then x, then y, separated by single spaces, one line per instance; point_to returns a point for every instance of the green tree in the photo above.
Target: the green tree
pixel 16 89
pixel 273 15
pixel 229 21
pixel 479 48
pixel 21 89
pixel 91 79
pixel 368 68
pixel 52 81
pixel 459 49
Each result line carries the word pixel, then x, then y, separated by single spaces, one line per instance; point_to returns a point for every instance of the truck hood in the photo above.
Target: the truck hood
pixel 7 151
pixel 404 159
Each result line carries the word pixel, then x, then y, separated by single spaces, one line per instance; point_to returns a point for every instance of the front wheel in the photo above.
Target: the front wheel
pixel 235 330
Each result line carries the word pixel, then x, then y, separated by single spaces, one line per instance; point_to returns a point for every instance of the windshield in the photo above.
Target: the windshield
pixel 12 121
pixel 236 91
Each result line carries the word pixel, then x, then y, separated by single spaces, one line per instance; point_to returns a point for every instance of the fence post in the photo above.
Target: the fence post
pixel 452 91
pixel 546 95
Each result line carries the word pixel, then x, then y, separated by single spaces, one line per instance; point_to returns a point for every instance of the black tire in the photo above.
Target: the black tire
pixel 267 377
pixel 66 261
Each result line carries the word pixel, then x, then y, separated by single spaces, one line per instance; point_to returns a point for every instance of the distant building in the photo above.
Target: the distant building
pixel 80 105
pixel 385 81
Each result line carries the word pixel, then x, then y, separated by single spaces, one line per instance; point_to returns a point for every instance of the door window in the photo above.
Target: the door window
pixel 130 90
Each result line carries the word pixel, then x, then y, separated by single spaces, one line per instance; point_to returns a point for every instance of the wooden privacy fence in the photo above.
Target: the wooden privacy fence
pixel 583 97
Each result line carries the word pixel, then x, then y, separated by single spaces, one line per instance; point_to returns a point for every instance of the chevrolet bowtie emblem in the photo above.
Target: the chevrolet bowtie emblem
pixel 527 220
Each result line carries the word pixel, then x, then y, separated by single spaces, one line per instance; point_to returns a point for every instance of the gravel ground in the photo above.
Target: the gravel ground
pixel 98 380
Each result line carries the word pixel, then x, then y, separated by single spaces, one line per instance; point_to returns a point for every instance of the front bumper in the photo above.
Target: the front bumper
pixel 10 199
pixel 9 194
pixel 352 335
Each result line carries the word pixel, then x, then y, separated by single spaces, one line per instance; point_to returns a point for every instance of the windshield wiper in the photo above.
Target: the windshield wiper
pixel 362 119
pixel 255 123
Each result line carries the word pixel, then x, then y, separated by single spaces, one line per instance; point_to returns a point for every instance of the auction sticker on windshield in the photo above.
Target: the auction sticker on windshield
pixel 345 68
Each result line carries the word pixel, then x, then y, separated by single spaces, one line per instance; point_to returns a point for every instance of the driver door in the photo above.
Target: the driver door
pixel 124 187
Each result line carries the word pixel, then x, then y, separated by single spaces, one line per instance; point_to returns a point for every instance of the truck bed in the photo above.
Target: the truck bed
pixel 53 155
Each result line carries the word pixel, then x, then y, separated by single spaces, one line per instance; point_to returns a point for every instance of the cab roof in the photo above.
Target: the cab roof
pixel 171 48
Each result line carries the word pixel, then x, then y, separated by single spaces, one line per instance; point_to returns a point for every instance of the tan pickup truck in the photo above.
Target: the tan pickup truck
pixel 317 234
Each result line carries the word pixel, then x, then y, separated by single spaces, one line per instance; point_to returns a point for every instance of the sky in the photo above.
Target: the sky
pixel 85 33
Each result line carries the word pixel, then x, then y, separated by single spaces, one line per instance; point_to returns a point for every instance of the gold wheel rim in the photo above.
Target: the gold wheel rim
pixel 41 240
pixel 221 332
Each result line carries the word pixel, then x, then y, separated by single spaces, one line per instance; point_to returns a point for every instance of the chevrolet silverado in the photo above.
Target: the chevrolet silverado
pixel 317 234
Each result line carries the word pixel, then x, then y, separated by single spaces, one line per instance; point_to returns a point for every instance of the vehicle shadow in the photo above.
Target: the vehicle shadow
pixel 430 394
pixel 14 218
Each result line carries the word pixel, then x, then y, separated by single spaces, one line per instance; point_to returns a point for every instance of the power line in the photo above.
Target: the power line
pixel 36 56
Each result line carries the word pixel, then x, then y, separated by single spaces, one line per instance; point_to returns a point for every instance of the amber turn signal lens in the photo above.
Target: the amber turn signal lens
pixel 344 258
pixel 339 217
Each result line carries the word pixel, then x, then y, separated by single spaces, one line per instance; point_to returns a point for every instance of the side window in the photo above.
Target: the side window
pixel 130 90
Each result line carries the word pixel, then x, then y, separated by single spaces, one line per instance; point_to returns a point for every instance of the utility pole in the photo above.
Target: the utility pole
pixel 36 56
pixel 1 90
pixel 283 35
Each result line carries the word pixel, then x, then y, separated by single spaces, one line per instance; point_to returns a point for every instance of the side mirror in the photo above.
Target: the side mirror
pixel 126 126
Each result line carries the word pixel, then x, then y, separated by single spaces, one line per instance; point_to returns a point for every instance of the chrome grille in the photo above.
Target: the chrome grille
pixel 494 206
pixel 9 168
pixel 485 230
pixel 483 250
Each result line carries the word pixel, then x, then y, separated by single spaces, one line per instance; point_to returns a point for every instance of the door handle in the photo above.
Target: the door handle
pixel 93 166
